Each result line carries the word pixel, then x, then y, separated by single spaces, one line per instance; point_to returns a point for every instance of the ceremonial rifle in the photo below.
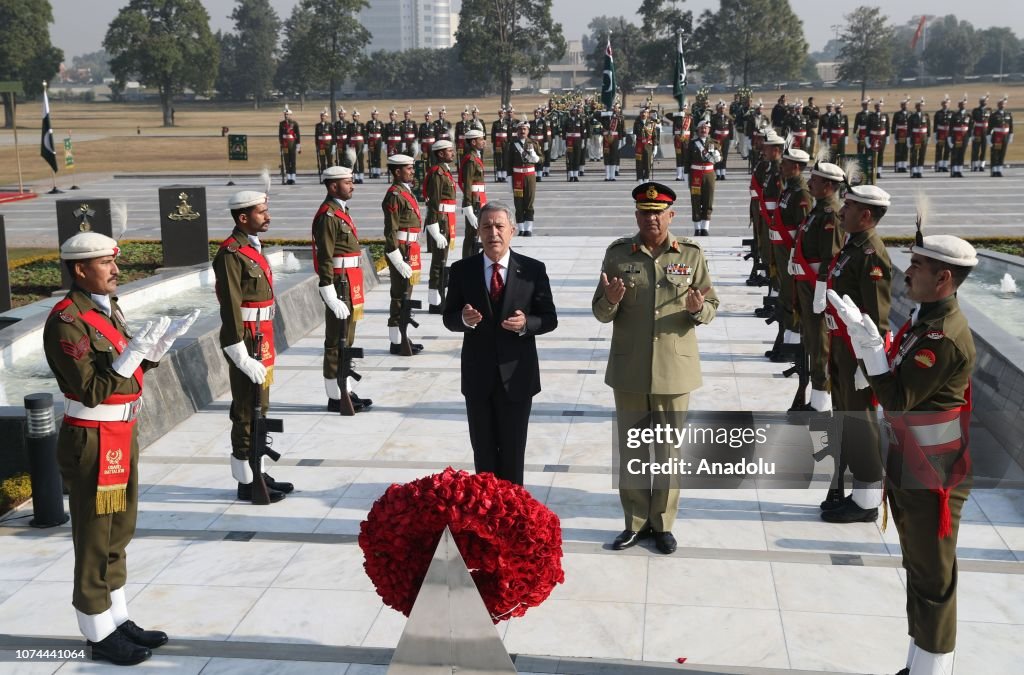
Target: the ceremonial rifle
pixel 260 428
pixel 345 356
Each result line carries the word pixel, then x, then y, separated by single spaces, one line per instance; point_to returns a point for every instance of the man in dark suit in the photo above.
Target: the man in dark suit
pixel 499 300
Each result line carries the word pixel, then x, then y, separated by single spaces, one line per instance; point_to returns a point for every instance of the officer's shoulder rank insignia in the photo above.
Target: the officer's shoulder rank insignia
pixel 869 250
pixel 934 335
pixel 65 317
pixel 924 358
pixel 620 241
pixel 828 209
pixel 876 273
pixel 233 247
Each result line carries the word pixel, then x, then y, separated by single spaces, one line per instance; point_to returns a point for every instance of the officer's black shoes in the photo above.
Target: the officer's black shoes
pixel 905 671
pixel 833 500
pixel 527 234
pixel 705 233
pixel 291 181
pixel 665 542
pixel 626 539
pixel 245 493
pixel 539 179
pixel 849 512
pixel 434 309
pixel 275 485
pixel 119 650
pixel 397 349
pixel 144 638
pixel 359 403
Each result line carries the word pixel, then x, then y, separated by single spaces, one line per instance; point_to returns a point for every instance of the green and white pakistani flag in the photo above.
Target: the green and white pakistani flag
pixel 608 79
pixel 679 88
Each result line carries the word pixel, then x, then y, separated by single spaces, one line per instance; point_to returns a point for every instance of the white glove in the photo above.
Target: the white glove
pixel 252 368
pixel 434 230
pixel 818 306
pixel 716 156
pixel 333 302
pixel 532 157
pixel 177 328
pixel 471 218
pixel 859 380
pixel 863 333
pixel 1010 139
pixel 298 148
pixel 140 345
pixel 949 142
pixel 396 259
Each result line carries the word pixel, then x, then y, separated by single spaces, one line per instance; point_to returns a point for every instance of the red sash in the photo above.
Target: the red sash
pixel 807 274
pixel 414 246
pixel 267 353
pixel 999 136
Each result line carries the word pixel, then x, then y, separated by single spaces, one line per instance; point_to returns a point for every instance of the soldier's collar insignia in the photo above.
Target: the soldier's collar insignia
pixel 935 335
pixel 869 250
pixel 65 317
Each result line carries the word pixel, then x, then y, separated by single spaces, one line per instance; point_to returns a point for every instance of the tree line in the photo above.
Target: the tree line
pixel 168 45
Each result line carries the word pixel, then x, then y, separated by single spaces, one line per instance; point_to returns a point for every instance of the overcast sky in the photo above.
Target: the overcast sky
pixel 80 25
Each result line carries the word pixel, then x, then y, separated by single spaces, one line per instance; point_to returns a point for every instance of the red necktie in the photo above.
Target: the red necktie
pixel 496 283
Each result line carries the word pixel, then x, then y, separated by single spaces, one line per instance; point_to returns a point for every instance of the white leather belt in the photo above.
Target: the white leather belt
pixel 771 206
pixel 478 188
pixel 920 130
pixel 426 140
pixel 501 135
pixel 573 135
pixel 394 138
pixel 104 412
pixel 355 138
pixel 407 236
pixel 374 135
pixel 524 169
pixel 327 138
pixel 702 167
pixel 446 208
pixel 341 262
pixel 265 313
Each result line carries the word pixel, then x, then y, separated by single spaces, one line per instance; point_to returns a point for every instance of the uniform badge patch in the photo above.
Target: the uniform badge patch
pixel 65 317
pixel 876 273
pixel 76 350
pixel 935 335
pixel 869 251
pixel 924 358
pixel 233 247
pixel 678 269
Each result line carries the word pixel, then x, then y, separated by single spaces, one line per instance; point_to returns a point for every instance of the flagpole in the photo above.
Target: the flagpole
pixel 14 120
pixel 49 130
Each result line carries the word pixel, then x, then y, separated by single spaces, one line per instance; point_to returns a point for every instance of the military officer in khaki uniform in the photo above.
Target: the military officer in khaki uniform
pixel 99 367
pixel 656 290
pixel 439 193
pixel 924 385
pixel 862 271
pixel 523 155
pixel 817 241
pixel 402 227
pixel 336 241
pixel 474 188
pixel 245 289
pixel 1000 130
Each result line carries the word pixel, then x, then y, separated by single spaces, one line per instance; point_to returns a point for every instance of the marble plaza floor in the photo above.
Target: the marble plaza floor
pixel 759 584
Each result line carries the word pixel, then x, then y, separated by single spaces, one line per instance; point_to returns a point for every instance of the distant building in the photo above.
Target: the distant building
pixel 827 70
pixel 570 72
pixel 397 25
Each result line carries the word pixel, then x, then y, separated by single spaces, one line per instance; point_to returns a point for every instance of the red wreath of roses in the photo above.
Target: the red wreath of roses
pixel 512 544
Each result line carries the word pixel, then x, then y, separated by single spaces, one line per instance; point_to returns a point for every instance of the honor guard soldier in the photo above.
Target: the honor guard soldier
pixel 245 290
pixel 755 122
pixel 356 143
pixel 959 134
pixel 291 144
pixel 374 140
pixel 766 186
pixel 523 156
pixel 426 137
pixel 943 122
pixel 439 195
pixel 573 132
pixel 393 134
pixel 924 385
pixel 442 127
pixel 410 132
pixel 721 132
pixel 341 140
pixel 681 122
pixel 794 206
pixel 337 249
pixel 839 131
pixel 818 240
pixel 461 127
pixel 499 146
pixel 703 155
pixel 539 136
pixel 549 118
pixel 402 226
pixel 643 135
pixel 860 126
pixel 796 129
pixel 979 133
pixel 99 366
pixel 878 131
pixel 812 114
pixel 900 132
pixel 655 290
pixel 1000 129
pixel 596 133
pixel 736 112
pixel 474 188
pixel 920 129
pixel 475 122
pixel 612 138
pixel 324 141
pixel 861 271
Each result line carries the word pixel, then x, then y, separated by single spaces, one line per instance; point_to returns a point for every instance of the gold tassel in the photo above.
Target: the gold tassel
pixel 885 513
pixel 357 313
pixel 111 500
pixel 415 278
pixel 270 378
